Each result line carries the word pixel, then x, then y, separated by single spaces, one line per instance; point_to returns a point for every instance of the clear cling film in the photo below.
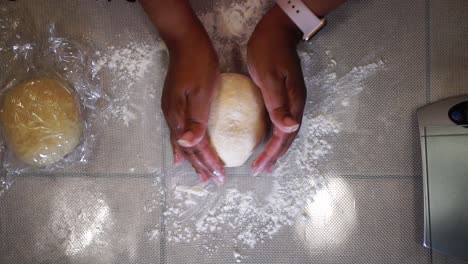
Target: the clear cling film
pixel 50 98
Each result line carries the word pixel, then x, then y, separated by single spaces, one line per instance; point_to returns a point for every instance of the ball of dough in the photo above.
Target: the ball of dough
pixel 41 121
pixel 237 121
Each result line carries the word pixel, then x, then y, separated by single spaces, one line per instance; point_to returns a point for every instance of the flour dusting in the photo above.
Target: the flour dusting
pixel 230 26
pixel 130 62
pixel 128 68
pixel 76 223
pixel 338 91
pixel 231 218
pixel 238 219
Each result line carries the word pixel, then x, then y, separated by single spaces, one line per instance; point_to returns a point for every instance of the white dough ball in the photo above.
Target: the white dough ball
pixel 237 121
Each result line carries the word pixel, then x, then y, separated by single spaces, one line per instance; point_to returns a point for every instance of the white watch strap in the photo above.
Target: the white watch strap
pixel 301 15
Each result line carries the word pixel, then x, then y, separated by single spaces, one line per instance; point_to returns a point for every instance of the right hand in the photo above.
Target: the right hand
pixel 275 67
pixel 191 84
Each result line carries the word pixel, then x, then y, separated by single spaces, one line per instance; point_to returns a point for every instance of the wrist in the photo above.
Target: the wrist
pixel 176 22
pixel 322 8
pixel 186 37
pixel 280 22
pixel 194 47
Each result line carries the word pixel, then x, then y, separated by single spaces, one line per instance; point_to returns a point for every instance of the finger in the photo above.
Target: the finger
pixel 270 166
pixel 197 165
pixel 178 154
pixel 173 104
pixel 196 116
pixel 194 132
pixel 287 145
pixel 176 125
pixel 277 103
pixel 211 161
pixel 297 92
pixel 272 149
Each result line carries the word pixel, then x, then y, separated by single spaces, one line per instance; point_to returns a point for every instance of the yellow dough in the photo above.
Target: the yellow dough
pixel 41 121
pixel 237 121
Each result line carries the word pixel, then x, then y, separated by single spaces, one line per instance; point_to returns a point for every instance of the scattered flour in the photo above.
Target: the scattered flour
pixel 230 26
pixel 128 64
pixel 128 67
pixel 339 90
pixel 153 234
pixel 217 218
pixel 237 256
pixel 76 223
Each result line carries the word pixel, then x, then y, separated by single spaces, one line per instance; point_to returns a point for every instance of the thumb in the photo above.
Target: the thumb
pixel 276 101
pixel 283 120
pixel 196 117
pixel 194 133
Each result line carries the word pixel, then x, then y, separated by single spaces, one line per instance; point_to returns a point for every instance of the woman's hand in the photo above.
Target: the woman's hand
pixel 275 67
pixel 191 84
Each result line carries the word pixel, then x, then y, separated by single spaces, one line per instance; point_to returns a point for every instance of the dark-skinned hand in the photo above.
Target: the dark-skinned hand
pixel 191 85
pixel 275 67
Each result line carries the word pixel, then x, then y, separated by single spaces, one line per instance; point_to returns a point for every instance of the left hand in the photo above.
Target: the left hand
pixel 191 85
pixel 275 67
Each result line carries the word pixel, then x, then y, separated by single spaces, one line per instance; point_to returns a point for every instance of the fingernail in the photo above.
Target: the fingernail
pixel 218 181
pixel 257 171
pixel 217 174
pixel 291 124
pixel 255 168
pixel 186 139
pixel 218 178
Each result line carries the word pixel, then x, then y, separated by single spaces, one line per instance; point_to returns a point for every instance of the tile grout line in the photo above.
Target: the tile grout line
pixel 428 84
pixel 375 177
pixel 163 208
pixel 428 50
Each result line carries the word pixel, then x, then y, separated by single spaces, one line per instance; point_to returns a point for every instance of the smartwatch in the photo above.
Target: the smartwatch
pixel 302 16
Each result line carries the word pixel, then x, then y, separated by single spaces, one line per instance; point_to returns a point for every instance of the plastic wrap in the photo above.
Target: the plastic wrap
pixel 42 121
pixel 50 98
